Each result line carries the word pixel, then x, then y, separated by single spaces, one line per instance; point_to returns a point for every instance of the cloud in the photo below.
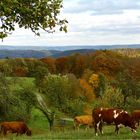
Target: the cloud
pixel 90 22
pixel 112 28
pixel 101 7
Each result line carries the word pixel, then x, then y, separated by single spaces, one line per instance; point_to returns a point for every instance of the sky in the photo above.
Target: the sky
pixel 91 22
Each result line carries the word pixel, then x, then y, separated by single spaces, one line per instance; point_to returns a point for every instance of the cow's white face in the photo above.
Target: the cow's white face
pixel 115 114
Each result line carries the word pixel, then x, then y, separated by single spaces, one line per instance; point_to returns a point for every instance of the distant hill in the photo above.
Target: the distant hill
pixel 70 52
pixel 66 48
pixel 39 53
pixel 26 53
pixel 54 51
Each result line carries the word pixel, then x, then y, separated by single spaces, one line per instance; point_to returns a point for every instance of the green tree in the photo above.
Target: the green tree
pixel 112 97
pixel 27 96
pixel 62 92
pixel 32 14
pixel 15 103
pixel 128 85
pixel 102 84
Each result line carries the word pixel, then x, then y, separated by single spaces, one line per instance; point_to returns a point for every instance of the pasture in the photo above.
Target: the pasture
pixel 40 131
pixel 70 134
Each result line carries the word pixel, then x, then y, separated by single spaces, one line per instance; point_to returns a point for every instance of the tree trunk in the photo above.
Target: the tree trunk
pixel 49 116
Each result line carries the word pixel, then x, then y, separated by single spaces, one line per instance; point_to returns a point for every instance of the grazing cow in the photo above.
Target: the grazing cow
pixel 83 120
pixel 15 127
pixel 112 116
pixel 136 116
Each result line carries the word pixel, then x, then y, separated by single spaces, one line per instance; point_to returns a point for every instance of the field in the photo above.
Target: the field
pixel 125 134
pixel 40 131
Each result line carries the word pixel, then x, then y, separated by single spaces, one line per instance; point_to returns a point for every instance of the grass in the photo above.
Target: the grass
pixel 70 134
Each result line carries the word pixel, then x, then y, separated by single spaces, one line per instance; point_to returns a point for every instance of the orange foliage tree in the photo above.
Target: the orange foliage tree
pixel 107 63
pixel 50 63
pixel 20 71
pixel 61 65
pixel 80 65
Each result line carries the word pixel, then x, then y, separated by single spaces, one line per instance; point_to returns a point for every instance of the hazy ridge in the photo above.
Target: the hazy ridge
pixel 53 51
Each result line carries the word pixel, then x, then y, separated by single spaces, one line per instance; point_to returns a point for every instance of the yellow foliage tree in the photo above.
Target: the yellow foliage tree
pixel 87 90
pixel 94 80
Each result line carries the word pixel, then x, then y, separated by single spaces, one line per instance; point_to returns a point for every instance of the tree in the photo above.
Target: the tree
pixel 16 102
pixel 80 65
pixel 61 65
pixel 31 14
pixel 87 90
pixel 62 93
pixel 50 64
pixel 129 86
pixel 112 97
pixel 106 62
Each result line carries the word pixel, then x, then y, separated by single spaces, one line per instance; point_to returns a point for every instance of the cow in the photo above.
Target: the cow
pixel 17 127
pixel 136 116
pixel 112 116
pixel 86 120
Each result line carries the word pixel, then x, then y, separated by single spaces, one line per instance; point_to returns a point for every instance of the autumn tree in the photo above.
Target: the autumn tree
pixel 99 83
pixel 86 74
pixel 50 64
pixel 34 15
pixel 87 90
pixel 62 65
pixel 94 82
pixel 80 65
pixel 20 71
pixel 106 62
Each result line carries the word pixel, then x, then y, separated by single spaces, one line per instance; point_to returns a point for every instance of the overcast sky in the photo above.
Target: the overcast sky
pixel 91 22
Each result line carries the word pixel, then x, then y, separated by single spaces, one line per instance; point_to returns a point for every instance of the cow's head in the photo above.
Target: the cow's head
pixel 29 132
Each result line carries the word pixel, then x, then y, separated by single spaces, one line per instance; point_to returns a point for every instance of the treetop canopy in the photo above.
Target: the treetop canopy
pixel 30 14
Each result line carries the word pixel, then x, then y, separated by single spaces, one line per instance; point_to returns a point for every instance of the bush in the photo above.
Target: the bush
pixel 111 98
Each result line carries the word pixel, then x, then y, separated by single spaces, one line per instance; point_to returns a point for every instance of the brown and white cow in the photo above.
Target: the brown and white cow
pixel 136 116
pixel 112 116
pixel 18 127
pixel 86 120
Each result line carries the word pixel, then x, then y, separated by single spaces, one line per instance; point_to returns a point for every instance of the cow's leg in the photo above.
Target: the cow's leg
pixel 117 129
pixel 17 134
pixel 76 126
pixel 95 127
pixel 4 132
pixel 87 127
pixel 100 128
pixel 138 122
